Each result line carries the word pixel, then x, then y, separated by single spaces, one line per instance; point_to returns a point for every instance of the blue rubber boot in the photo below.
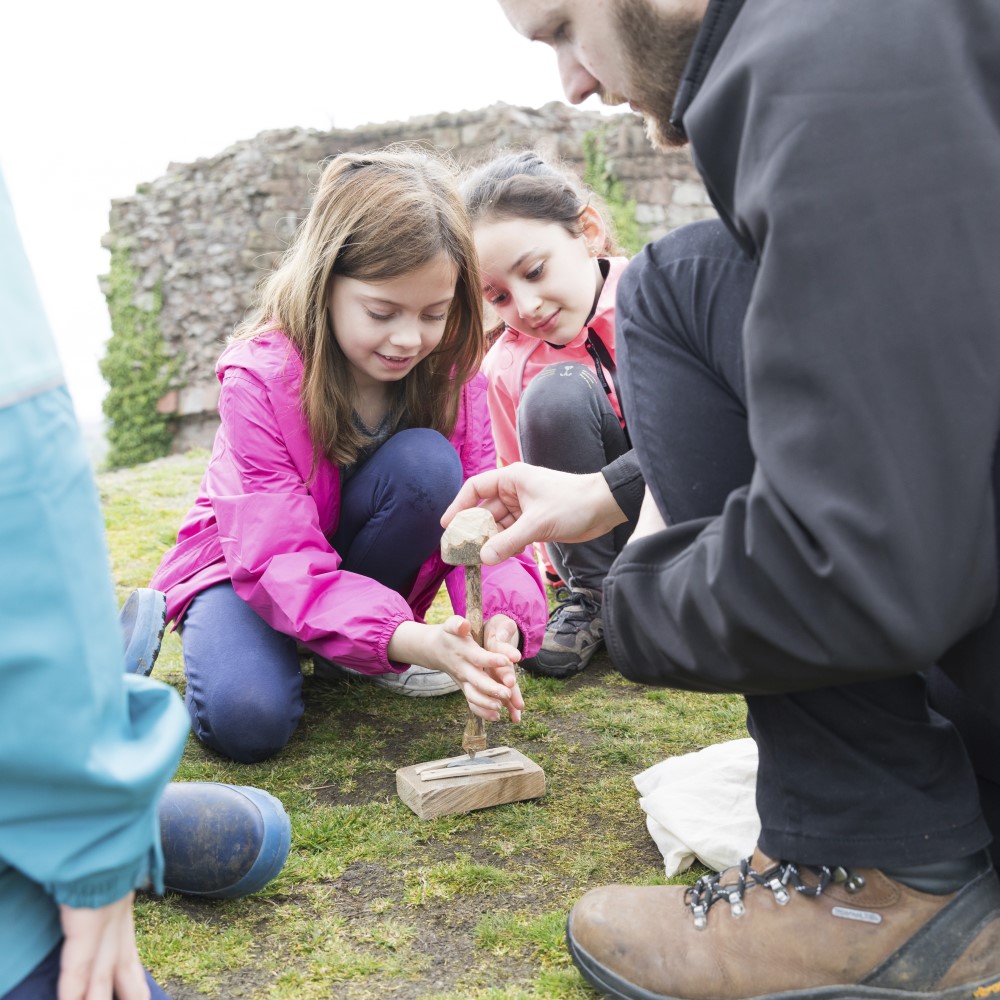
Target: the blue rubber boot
pixel 143 619
pixel 221 841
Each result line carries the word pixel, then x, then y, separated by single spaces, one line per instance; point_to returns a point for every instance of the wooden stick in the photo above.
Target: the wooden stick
pixel 461 545
pixel 470 769
pixel 444 762
pixel 474 738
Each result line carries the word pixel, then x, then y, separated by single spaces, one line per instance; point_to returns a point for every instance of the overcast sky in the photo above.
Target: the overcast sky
pixel 100 96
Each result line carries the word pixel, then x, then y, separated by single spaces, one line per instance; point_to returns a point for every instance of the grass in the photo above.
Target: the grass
pixel 374 902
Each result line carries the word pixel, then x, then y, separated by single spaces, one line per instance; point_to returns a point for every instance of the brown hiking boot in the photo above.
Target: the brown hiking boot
pixel 764 929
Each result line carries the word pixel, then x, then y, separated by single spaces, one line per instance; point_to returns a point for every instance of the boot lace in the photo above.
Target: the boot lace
pixel 575 610
pixel 709 889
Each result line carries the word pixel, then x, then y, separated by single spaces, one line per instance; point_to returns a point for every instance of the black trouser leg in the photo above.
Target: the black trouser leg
pixel 864 774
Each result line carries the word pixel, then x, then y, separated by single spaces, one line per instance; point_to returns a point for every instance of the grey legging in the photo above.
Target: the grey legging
pixel 565 422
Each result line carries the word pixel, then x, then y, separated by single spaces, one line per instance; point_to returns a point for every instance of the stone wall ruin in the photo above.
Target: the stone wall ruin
pixel 206 232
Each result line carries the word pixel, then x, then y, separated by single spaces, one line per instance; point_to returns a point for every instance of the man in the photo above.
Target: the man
pixel 847 584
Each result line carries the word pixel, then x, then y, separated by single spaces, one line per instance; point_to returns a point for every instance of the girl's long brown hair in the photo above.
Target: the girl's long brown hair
pixel 376 216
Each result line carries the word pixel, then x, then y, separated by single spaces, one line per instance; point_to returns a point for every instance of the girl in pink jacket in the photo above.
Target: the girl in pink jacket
pixel 549 271
pixel 351 413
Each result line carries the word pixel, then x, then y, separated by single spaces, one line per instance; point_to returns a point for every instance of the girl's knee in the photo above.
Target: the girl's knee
pixel 420 448
pixel 559 394
pixel 426 464
pixel 243 727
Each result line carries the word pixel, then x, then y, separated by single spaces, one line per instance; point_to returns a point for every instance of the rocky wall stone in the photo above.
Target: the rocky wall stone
pixel 206 232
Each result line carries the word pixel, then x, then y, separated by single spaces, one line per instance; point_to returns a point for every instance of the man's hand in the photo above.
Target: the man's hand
pixel 99 956
pixel 533 504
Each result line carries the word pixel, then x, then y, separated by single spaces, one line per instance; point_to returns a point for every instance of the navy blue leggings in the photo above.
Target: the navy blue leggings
pixel 42 981
pixel 244 685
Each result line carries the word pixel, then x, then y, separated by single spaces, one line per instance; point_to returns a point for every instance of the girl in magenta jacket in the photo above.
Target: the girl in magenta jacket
pixel 351 413
pixel 550 271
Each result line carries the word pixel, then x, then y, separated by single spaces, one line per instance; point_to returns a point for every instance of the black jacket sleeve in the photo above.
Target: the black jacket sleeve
pixel 624 479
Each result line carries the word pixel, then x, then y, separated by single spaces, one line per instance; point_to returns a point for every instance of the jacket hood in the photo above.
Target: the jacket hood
pixel 268 354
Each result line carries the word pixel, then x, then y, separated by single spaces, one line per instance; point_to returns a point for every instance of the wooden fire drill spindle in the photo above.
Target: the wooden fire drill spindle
pixel 460 546
pixel 500 774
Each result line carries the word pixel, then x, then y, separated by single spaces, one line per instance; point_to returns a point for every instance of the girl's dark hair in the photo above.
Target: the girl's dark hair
pixel 375 216
pixel 524 186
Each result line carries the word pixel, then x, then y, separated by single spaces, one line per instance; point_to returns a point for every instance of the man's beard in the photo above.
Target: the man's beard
pixel 656 49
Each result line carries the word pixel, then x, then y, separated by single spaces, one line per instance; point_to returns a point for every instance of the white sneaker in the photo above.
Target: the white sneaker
pixel 417 682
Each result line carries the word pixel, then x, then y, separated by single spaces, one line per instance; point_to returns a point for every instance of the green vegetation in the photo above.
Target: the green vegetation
pixel 373 901
pixel 137 370
pixel 599 176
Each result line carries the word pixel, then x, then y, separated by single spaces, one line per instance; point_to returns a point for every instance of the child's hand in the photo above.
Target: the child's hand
pixel 486 676
pixel 501 636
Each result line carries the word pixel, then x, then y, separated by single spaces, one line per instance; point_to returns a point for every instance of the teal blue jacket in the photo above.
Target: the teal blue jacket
pixel 85 751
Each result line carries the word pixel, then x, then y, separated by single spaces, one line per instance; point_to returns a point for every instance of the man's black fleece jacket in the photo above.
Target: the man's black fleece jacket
pixel 853 147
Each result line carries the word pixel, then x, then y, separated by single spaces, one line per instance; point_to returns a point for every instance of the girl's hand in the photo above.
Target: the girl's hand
pixel 486 676
pixel 501 635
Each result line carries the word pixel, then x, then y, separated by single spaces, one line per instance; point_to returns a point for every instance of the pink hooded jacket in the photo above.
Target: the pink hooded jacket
pixel 515 359
pixel 262 522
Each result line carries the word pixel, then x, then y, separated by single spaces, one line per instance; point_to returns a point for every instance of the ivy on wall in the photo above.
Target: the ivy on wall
pixel 137 370
pixel 601 179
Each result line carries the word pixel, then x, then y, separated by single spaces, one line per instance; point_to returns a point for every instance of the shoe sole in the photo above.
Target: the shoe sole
pixel 558 673
pixel 441 688
pixel 143 620
pixel 534 667
pixel 335 671
pixel 927 955
pixel 407 693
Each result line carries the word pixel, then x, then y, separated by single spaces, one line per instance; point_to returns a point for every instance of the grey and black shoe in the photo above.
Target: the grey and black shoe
pixel 574 633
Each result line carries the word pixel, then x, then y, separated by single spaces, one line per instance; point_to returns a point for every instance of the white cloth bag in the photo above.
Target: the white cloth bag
pixel 701 805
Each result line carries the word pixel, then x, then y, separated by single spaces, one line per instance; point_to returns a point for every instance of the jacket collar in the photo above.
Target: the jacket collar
pixel 718 19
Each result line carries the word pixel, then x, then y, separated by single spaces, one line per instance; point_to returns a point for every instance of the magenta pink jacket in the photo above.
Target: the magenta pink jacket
pixel 261 521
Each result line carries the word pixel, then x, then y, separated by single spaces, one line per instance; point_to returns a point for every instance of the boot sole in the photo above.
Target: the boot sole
pixel 273 851
pixel 558 671
pixel 613 986
pixel 143 620
pixel 928 955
